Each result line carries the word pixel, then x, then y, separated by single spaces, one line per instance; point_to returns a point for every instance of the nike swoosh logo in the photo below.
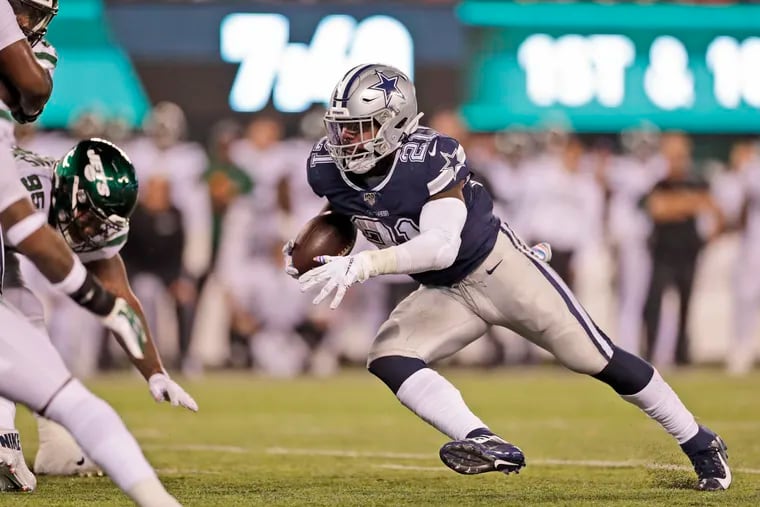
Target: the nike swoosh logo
pixel 434 148
pixel 81 461
pixel 490 271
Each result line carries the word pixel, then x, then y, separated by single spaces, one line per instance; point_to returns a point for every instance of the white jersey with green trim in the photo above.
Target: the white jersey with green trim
pixel 9 29
pixel 36 175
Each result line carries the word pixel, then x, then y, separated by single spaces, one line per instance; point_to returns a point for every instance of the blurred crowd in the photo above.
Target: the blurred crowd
pixel 629 220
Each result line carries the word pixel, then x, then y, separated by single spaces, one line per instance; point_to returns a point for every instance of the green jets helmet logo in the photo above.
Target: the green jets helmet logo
pixel 94 193
pixel 94 172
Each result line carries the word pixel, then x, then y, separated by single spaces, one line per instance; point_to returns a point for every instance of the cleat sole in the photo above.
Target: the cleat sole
pixel 469 458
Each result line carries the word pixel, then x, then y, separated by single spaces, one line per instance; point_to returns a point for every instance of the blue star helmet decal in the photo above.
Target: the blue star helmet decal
pixel 387 85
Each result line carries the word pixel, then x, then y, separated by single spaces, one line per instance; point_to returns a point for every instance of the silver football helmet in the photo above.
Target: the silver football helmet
pixel 371 111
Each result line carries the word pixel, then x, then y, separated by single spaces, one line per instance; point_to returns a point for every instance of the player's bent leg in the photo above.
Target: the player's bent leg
pixel 428 325
pixel 102 434
pixel 30 371
pixel 538 304
pixel 512 288
pixel 59 454
pixel 475 449
pixel 639 383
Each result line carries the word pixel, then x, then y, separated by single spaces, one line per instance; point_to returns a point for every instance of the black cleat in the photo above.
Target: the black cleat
pixel 477 455
pixel 711 465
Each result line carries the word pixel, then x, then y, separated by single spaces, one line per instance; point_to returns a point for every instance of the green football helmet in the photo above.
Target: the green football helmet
pixel 94 194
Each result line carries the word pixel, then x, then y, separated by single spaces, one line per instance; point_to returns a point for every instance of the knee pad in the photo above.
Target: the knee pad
pixel 394 370
pixel 626 373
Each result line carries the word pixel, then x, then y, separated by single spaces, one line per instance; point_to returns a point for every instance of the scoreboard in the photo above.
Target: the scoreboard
pixel 608 67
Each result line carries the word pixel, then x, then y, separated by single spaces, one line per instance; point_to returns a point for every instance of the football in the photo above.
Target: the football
pixel 326 234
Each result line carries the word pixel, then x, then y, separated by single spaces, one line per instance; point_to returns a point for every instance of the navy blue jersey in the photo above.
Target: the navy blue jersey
pixel 389 213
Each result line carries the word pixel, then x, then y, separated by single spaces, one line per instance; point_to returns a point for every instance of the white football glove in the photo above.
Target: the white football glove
pixel 162 388
pixel 124 322
pixel 287 253
pixel 339 273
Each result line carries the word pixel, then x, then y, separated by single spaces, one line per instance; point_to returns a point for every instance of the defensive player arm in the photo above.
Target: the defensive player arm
pixel 28 231
pixel 436 247
pixel 26 85
pixel 113 276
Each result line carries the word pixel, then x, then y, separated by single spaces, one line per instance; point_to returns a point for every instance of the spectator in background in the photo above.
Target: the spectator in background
pixel 217 316
pixel 153 256
pixel 303 204
pixel 517 150
pixel 261 154
pixel 162 153
pixel 225 179
pixel 563 203
pixel 684 215
pixel 737 190
pixel 628 179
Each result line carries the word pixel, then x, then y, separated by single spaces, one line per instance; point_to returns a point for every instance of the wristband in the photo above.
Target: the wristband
pixel 86 291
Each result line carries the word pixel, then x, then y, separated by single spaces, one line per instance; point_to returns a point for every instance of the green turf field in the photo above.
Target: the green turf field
pixel 347 441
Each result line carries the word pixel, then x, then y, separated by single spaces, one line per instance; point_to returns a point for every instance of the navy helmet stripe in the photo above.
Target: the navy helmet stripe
pixel 351 81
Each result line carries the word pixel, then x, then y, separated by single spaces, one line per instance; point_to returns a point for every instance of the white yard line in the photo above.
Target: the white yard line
pixel 189 471
pixel 232 449
pixel 394 466
pixel 352 453
pixel 347 453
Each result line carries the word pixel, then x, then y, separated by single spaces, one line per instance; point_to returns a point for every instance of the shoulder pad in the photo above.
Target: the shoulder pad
pixel 445 163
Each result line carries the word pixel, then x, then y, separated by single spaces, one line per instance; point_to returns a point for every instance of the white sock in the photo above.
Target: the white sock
pixel 7 414
pixel 100 432
pixel 663 405
pixel 151 493
pixel 439 403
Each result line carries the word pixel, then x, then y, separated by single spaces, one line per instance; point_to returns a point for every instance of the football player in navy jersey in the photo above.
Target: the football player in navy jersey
pixel 410 191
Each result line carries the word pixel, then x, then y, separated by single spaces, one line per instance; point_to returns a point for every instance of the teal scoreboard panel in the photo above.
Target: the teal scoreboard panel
pixel 598 68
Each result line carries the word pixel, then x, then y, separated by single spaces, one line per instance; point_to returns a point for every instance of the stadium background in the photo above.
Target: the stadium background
pixel 523 76
pixel 210 279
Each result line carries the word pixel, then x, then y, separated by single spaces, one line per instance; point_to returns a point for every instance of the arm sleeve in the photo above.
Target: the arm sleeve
pixel 435 248
pixel 9 29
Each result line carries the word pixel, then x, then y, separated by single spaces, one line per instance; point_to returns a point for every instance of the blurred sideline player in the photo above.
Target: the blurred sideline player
pixel 31 371
pixel 92 214
pixel 629 179
pixel 737 190
pixel 433 221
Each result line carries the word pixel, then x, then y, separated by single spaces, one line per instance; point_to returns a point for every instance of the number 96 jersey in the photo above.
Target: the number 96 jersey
pixel 388 212
pixel 36 175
